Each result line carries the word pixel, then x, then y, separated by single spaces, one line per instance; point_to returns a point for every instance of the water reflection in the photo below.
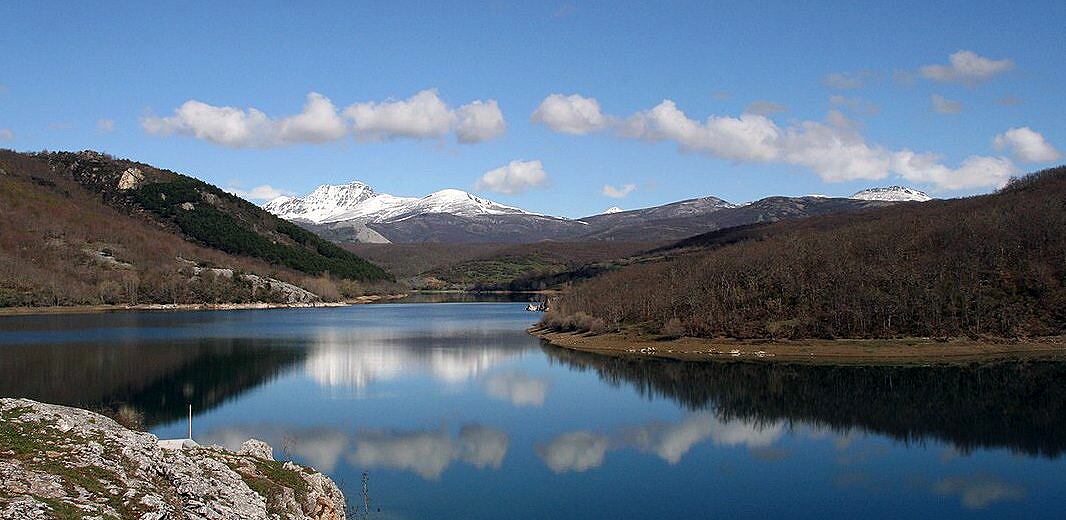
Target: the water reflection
pixel 156 379
pixel 517 388
pixel 583 450
pixel 1021 406
pixel 356 358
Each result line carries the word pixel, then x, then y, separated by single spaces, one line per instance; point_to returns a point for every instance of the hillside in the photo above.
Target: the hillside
pixel 85 228
pixel 992 265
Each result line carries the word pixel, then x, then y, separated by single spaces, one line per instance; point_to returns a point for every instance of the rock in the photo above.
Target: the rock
pixel 131 178
pixel 257 448
pixel 187 206
pixel 97 468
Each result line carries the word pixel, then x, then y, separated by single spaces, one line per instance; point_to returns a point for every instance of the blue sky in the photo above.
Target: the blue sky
pixel 837 97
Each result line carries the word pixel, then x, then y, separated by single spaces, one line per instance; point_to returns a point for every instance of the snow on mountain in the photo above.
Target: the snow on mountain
pixel 892 194
pixel 612 209
pixel 357 201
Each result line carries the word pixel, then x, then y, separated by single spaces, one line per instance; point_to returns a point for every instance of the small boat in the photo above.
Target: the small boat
pixel 537 306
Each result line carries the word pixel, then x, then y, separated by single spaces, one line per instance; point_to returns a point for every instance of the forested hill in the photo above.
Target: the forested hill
pixel 992 265
pixel 85 228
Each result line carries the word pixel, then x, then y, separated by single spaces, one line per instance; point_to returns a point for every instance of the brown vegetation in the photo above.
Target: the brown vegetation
pixel 66 238
pixel 990 265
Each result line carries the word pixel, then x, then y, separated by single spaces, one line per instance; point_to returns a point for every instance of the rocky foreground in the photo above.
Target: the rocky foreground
pixel 62 462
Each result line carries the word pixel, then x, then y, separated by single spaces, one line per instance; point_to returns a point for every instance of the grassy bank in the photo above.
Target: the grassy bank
pixel 904 351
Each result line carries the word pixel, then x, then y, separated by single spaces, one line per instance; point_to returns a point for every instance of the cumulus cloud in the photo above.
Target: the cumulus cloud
pixel 573 114
pixel 6 134
pixel 1026 145
pixel 974 172
pixel 237 128
pixel 429 453
pixel 262 192
pixel 516 177
pixel 943 105
pixel 479 121
pixel 517 388
pixel 105 125
pixel 422 116
pixel 619 192
pixel 966 67
pixel 835 149
pixel 765 108
pixel 750 137
pixel 846 80
pixel 979 492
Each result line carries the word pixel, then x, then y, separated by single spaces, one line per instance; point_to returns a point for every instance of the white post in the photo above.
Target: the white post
pixel 190 421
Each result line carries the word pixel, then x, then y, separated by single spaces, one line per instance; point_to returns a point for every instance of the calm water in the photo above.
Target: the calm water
pixel 456 413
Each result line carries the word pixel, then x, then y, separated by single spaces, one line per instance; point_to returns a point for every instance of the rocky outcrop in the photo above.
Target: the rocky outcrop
pixel 61 462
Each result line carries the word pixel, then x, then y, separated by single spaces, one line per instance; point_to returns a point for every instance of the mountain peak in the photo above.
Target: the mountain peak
pixel 893 194
pixel 612 209
pixel 358 201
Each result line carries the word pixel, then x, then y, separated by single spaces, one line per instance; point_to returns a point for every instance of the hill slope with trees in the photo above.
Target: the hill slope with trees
pixel 85 228
pixel 985 266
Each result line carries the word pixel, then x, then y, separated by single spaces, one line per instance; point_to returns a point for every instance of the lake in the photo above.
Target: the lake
pixel 453 411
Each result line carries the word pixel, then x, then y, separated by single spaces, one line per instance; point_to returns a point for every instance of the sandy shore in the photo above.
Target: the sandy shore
pixel 911 351
pixel 87 309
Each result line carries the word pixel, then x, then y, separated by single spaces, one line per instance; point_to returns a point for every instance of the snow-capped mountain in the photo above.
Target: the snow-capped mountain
pixel 357 201
pixel 892 194
pixel 612 209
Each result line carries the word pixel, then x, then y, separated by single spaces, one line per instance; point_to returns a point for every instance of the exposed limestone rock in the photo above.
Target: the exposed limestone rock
pixel 290 292
pixel 61 462
pixel 257 448
pixel 187 206
pixel 131 178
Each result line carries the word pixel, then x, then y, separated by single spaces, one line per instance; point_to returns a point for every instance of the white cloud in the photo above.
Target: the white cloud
pixel 6 134
pixel 518 389
pixel 835 149
pixel 765 108
pixel 105 125
pixel 846 80
pixel 515 177
pixel 943 105
pixel 422 116
pixel 251 128
pixel 479 121
pixel 263 192
pixel 1026 145
pixel 620 192
pixel 750 137
pixel 573 114
pixel 966 67
pixel 975 171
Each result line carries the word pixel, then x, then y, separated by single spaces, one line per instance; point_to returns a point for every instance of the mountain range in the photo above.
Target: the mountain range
pixel 355 213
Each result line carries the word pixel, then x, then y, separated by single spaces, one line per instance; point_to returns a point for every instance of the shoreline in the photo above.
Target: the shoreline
pixel 906 351
pixel 99 309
